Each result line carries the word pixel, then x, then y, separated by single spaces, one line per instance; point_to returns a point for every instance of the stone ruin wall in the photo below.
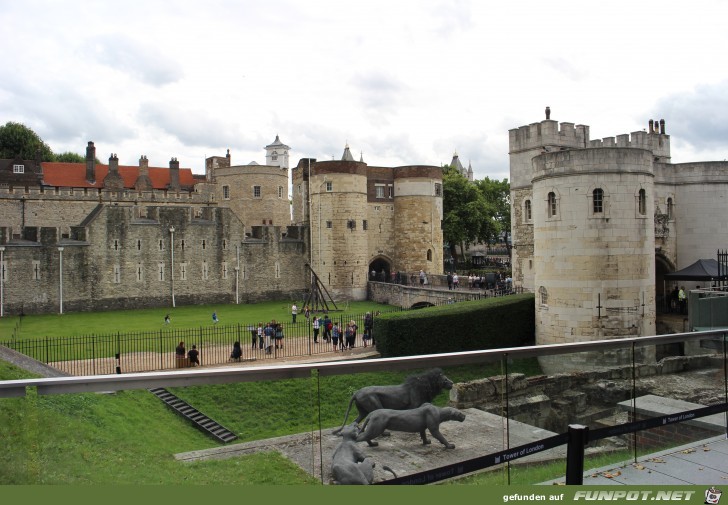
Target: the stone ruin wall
pixel 552 402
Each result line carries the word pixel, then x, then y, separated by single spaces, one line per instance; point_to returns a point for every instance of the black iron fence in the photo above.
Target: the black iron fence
pixel 121 352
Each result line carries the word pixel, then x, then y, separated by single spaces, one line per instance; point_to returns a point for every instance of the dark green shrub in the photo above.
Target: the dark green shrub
pixel 492 323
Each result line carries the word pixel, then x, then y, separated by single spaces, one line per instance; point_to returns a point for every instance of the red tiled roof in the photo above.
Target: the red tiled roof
pixel 73 175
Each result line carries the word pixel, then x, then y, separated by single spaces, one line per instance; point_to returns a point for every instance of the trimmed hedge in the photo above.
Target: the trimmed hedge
pixel 491 323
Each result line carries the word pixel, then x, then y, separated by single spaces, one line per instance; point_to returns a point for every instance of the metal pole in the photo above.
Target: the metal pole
pixel 2 281
pixel 60 276
pixel 578 436
pixel 171 273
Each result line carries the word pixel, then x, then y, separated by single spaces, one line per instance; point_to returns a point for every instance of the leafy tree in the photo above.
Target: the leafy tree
pixel 17 140
pixel 69 157
pixel 498 194
pixel 468 218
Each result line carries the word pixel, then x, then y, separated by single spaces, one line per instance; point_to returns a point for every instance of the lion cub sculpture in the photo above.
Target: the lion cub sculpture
pixel 349 464
pixel 426 417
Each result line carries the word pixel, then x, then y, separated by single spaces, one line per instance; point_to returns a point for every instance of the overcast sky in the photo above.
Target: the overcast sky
pixel 403 82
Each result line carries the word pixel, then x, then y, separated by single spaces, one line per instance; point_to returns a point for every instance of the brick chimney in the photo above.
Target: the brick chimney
pixel 91 162
pixel 174 174
pixel 113 179
pixel 143 182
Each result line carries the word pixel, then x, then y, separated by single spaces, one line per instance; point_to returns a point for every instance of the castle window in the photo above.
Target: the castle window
pixel 256 191
pixel 438 189
pixel 182 244
pixel 543 296
pixel 204 244
pixel 379 188
pixel 278 270
pixel 364 225
pixel 18 169
pixel 224 270
pixel 183 271
pixel 351 224
pixel 551 208
pixel 36 270
pixel 299 189
pixel 116 244
pixel 280 191
pixel 390 190
pixel 329 186
pixel 226 192
pixel 642 202
pixel 4 271
pixel 224 244
pixel 161 245
pixel 669 208
pixel 527 211
pixel 598 201
pixel 205 271
pixel 161 271
pixel 139 272
pixel 139 245
pixel 329 224
pixel 117 274
pixel 429 255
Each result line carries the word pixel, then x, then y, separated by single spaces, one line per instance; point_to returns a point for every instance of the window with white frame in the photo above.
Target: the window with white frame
pixel 438 189
pixel 379 190
pixel 329 186
pixel 18 169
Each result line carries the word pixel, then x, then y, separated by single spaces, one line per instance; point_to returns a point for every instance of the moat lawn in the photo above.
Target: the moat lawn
pixel 128 321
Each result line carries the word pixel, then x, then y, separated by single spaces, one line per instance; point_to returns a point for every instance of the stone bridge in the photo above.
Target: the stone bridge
pixel 416 296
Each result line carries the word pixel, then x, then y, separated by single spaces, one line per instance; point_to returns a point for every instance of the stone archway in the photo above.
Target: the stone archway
pixel 663 266
pixel 380 269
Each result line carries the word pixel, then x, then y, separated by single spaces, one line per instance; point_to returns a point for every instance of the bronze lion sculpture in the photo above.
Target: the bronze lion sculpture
pixel 427 417
pixel 416 390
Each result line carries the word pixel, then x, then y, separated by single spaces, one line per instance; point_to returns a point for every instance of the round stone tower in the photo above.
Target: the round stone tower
pixel 594 244
pixel 417 231
pixel 339 249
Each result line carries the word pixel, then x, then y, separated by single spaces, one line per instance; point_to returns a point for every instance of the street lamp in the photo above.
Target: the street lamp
pixel 171 272
pixel 60 276
pixel 2 280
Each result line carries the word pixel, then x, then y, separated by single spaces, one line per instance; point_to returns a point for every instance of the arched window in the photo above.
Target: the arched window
pixel 669 208
pixel 527 210
pixel 598 201
pixel 543 295
pixel 642 202
pixel 429 255
pixel 551 210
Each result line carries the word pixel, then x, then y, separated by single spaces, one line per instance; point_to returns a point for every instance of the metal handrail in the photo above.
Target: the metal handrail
pixel 233 374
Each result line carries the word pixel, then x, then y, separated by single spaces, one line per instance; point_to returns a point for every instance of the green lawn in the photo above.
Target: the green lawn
pixel 139 320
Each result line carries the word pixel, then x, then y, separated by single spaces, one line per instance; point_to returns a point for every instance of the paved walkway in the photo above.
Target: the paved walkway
pixel 704 463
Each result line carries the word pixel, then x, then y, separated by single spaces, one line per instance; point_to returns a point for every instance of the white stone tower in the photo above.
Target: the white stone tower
pixel 276 154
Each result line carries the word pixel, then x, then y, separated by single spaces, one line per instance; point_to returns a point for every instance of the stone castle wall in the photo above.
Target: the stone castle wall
pixel 127 262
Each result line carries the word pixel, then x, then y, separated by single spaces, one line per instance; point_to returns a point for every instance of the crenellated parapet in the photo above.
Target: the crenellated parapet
pixel 546 134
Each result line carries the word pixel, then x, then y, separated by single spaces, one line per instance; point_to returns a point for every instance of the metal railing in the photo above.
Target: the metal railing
pixel 155 350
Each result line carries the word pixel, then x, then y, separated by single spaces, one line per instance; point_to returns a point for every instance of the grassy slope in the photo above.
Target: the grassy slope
pixel 124 438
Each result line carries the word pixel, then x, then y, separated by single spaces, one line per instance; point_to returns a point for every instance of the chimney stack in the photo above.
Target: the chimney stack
pixel 91 162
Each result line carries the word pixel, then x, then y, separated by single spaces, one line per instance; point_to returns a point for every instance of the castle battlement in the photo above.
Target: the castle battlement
pixel 96 195
pixel 657 143
pixel 548 133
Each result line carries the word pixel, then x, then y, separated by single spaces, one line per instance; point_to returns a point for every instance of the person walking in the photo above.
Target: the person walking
pixel 316 328
pixel 214 318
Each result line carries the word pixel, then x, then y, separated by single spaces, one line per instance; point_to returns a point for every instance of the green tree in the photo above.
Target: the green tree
pixel 498 195
pixel 69 157
pixel 468 218
pixel 17 140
